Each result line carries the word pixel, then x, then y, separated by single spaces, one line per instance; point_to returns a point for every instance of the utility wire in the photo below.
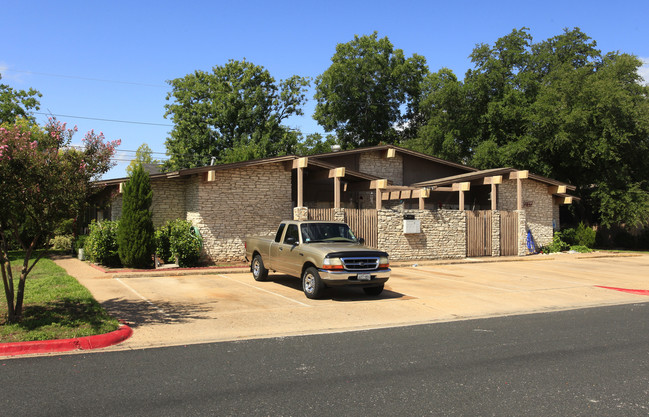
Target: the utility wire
pixel 104 120
pixel 74 77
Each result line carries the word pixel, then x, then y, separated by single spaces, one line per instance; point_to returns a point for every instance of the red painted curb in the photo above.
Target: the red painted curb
pixel 64 345
pixel 638 292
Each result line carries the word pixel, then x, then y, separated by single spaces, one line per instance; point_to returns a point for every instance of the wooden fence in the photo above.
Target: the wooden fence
pixel 363 222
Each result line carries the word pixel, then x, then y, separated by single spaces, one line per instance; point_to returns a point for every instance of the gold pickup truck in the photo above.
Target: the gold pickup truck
pixel 323 254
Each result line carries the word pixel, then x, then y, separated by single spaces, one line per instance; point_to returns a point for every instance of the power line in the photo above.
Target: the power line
pixel 87 78
pixel 105 120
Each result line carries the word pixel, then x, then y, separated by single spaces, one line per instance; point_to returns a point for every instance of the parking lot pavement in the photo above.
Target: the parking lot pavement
pixel 176 310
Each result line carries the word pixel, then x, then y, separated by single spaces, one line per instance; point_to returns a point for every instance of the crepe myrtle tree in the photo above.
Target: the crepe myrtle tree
pixel 43 181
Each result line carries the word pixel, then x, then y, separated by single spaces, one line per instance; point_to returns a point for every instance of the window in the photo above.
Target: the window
pixel 291 234
pixel 278 236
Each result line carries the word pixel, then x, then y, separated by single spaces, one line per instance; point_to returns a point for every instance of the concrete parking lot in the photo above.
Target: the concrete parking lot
pixel 177 310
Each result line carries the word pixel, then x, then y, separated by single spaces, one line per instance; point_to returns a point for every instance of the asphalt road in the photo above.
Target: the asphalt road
pixel 586 362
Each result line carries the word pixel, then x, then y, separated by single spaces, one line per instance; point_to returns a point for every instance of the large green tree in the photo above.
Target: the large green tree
pixel 560 108
pixel 135 233
pixel 42 183
pixel 17 103
pixel 235 112
pixel 370 93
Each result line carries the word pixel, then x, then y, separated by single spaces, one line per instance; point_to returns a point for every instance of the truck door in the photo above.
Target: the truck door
pixel 288 252
pixel 273 255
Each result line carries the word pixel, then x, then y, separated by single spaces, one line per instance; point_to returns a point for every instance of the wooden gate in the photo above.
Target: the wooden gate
pixel 326 214
pixel 363 222
pixel 508 233
pixel 478 233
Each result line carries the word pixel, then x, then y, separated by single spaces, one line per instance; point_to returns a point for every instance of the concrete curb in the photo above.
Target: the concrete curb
pixel 64 345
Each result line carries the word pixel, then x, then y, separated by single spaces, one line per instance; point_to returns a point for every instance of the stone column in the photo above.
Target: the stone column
pixel 495 233
pixel 301 213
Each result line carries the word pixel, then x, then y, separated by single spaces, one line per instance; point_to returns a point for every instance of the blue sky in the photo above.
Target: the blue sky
pixel 111 60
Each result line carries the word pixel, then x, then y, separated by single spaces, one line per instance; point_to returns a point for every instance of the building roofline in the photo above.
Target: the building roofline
pixel 398 149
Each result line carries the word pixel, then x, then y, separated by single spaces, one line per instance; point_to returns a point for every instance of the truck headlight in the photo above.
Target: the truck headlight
pixel 384 263
pixel 332 264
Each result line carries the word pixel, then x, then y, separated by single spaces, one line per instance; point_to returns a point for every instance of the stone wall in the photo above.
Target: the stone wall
pixel 376 163
pixel 537 205
pixel 168 200
pixel 241 202
pixel 443 234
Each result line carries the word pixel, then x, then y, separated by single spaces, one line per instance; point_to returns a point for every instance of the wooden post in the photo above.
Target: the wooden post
pixel 300 164
pixel 461 187
pixel 519 194
pixel 300 187
pixel 423 193
pixel 494 204
pixel 337 174
pixel 377 185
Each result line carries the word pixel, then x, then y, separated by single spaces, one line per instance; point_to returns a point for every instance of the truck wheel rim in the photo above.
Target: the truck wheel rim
pixel 255 268
pixel 309 283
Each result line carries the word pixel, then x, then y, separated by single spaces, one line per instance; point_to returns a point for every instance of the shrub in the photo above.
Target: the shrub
pixel 162 246
pixel 135 234
pixel 557 245
pixel 184 242
pixel 101 244
pixel 63 242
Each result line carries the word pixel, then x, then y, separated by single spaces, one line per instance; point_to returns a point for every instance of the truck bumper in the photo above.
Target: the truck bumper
pixel 336 278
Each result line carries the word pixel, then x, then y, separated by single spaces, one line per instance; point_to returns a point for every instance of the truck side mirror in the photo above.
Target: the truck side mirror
pixel 361 240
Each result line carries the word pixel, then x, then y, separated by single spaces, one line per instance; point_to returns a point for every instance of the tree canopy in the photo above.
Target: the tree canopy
pixel 370 92
pixel 233 113
pixel 42 183
pixel 143 156
pixel 559 108
pixel 17 103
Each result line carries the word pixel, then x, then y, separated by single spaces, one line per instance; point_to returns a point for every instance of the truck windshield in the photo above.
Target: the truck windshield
pixel 326 232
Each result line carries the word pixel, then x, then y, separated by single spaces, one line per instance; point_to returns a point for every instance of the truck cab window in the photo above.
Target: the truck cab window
pixel 278 236
pixel 292 236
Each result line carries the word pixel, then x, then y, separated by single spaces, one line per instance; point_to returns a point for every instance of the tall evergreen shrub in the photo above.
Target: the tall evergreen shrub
pixel 135 235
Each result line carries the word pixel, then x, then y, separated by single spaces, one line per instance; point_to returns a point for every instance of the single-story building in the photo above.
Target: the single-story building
pixel 412 205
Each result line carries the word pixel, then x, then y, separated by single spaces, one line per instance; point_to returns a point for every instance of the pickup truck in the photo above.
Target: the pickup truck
pixel 323 254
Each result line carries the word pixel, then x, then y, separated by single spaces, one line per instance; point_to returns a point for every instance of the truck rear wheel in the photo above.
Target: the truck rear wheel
pixel 373 290
pixel 259 271
pixel 312 285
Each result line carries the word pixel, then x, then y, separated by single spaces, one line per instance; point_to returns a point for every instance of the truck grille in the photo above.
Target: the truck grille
pixel 360 264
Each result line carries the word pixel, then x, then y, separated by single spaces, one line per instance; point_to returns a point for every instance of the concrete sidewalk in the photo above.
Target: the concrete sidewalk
pixel 186 309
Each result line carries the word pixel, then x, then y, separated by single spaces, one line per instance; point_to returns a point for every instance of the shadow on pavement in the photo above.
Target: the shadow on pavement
pixel 138 313
pixel 338 293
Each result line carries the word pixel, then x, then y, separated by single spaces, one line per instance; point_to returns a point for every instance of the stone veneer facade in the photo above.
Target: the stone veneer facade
pixel 537 214
pixel 377 164
pixel 443 234
pixel 241 202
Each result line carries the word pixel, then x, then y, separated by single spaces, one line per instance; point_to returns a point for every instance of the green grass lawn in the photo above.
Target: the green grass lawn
pixel 56 306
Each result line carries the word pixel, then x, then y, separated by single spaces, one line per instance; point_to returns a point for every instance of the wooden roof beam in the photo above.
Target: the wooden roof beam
pixel 519 175
pixel 557 189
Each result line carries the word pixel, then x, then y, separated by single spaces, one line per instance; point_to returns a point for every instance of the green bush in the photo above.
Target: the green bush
pixel 62 242
pixel 135 234
pixel 557 245
pixel 582 235
pixel 184 243
pixel 101 244
pixel 162 246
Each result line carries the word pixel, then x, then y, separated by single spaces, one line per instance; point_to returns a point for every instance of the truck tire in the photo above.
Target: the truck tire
pixel 259 271
pixel 373 290
pixel 312 284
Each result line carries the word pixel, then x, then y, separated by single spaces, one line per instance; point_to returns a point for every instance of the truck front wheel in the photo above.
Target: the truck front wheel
pixel 259 271
pixel 312 284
